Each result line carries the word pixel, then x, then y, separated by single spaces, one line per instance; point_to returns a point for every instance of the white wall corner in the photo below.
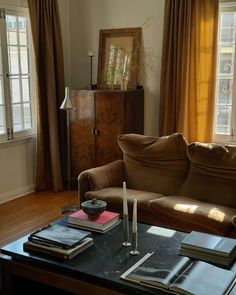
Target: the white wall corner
pixel 16 193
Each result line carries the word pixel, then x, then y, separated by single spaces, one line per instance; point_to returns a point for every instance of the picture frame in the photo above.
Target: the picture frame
pixel 118 58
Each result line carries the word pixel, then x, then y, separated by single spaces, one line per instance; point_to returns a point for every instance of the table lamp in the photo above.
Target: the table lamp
pixel 91 54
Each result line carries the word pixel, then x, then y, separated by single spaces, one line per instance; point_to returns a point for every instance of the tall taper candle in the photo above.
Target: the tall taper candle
pixel 125 206
pixel 134 244
pixel 126 242
pixel 134 224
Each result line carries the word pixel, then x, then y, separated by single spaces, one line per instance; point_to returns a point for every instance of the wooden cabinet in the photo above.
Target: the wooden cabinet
pixel 99 117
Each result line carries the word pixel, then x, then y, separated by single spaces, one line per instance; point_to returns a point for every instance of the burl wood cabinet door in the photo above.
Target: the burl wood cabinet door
pixel 109 124
pixel 99 117
pixel 82 122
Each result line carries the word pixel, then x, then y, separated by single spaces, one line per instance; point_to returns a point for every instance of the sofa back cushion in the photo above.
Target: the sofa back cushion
pixel 212 174
pixel 157 164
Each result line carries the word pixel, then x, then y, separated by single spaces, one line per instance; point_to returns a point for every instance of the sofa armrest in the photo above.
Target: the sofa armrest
pixel 112 174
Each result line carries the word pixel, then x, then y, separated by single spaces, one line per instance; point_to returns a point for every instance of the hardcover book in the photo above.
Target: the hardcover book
pixel 216 259
pixel 181 275
pixel 101 223
pixel 208 243
pixel 59 236
pixel 65 254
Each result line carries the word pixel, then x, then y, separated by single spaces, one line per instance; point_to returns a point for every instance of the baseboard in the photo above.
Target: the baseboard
pixel 16 193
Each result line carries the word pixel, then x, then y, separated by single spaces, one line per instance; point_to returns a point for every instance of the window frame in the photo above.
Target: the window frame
pixel 226 7
pixel 10 135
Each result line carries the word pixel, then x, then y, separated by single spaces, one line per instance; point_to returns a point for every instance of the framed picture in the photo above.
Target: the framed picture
pixel 118 58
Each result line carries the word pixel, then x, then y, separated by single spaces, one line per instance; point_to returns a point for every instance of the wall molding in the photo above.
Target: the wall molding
pixel 16 193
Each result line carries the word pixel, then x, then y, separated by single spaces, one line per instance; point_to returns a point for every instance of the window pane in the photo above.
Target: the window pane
pixel 13 60
pixel 17 117
pixel 12 37
pixel 2 120
pixel 15 90
pixel 27 116
pixel 22 23
pixel 227 35
pixel 227 28
pixel 226 63
pixel 23 38
pixel 223 120
pixel 1 98
pixel 1 61
pixel 22 30
pixel 25 88
pixel 225 92
pixel 228 19
pixel 11 21
pixel 11 25
pixel 24 60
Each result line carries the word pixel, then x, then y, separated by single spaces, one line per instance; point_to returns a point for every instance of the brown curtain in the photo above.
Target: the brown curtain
pixel 47 40
pixel 189 68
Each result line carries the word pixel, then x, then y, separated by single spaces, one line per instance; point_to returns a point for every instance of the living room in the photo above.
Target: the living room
pixel 80 25
pixel 18 156
pixel 167 109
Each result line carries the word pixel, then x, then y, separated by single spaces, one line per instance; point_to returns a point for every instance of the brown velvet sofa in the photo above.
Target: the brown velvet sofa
pixel 176 184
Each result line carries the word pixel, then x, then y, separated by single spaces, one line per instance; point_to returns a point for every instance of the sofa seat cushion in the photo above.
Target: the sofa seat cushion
pixel 114 198
pixel 212 174
pixel 211 217
pixel 156 164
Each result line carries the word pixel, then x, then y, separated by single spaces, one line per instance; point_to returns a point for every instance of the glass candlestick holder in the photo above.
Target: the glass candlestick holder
pixel 126 242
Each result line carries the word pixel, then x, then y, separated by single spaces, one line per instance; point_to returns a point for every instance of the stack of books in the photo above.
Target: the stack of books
pixel 105 221
pixel 58 241
pixel 212 248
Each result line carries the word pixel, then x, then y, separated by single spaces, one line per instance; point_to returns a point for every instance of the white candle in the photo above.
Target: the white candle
pixel 134 224
pixel 90 53
pixel 125 206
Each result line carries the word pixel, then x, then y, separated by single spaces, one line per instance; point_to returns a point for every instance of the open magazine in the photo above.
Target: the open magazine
pixel 180 274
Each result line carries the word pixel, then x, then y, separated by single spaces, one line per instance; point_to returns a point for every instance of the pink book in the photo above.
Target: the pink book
pixel 102 222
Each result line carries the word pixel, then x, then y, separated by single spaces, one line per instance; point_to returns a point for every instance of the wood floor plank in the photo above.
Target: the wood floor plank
pixel 28 213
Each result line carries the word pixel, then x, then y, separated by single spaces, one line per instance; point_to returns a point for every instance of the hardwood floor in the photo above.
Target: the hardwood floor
pixel 28 213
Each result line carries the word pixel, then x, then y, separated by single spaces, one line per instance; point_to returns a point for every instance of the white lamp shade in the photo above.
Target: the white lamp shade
pixel 67 104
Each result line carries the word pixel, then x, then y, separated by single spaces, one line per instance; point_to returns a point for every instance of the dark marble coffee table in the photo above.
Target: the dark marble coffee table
pixel 97 270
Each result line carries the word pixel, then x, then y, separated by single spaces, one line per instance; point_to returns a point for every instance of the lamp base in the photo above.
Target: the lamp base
pixel 91 87
pixel 69 209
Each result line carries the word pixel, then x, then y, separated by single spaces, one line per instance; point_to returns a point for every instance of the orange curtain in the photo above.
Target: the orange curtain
pixel 47 40
pixel 189 68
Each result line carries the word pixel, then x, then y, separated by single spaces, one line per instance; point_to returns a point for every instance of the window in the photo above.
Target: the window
pixel 225 113
pixel 16 76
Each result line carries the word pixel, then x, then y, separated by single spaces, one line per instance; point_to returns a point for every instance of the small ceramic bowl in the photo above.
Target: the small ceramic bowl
pixel 94 207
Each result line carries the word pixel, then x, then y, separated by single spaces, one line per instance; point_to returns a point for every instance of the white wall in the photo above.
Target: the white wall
pixel 14 3
pixel 17 169
pixel 87 17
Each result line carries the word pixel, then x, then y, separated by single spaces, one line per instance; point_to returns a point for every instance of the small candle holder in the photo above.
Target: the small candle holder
pixel 126 242
pixel 134 244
